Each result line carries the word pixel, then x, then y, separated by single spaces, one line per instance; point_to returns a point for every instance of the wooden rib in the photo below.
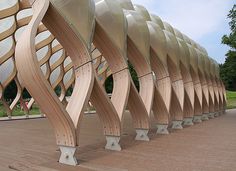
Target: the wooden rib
pixel 196 81
pixel 138 48
pixel 25 54
pixel 159 67
pixel 86 84
pixel 110 40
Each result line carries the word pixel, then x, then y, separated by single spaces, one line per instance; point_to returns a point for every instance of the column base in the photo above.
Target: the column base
pixel 188 122
pixel 211 115
pixel 177 125
pixel 217 114
pixel 68 156
pixel 142 135
pixel 113 143
pixel 205 117
pixel 197 119
pixel 162 129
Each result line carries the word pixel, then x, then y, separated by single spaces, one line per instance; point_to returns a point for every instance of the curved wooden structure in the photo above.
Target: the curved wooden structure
pixel 158 62
pixel 51 44
pixel 77 42
pixel 187 79
pixel 110 40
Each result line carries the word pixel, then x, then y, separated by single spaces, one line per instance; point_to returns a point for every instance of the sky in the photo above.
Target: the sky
pixel 204 21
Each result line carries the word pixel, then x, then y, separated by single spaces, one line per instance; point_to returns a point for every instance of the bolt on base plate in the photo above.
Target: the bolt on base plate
pixel 113 143
pixel 211 115
pixel 197 119
pixel 205 117
pixel 68 156
pixel 188 122
pixel 162 129
pixel 217 114
pixel 177 125
pixel 142 135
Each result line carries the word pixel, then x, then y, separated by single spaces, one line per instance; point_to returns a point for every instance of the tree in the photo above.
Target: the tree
pixel 228 69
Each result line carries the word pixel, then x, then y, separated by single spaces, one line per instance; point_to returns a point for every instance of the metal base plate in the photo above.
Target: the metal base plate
pixel 217 114
pixel 142 135
pixel 197 119
pixel 205 117
pixel 162 129
pixel 211 115
pixel 68 155
pixel 188 122
pixel 177 125
pixel 113 143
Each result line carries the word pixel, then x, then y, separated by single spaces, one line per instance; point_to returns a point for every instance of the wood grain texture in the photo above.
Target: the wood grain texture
pixel 110 39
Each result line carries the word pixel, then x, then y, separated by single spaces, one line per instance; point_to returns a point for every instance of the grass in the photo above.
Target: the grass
pixel 231 99
pixel 18 112
pixel 231 104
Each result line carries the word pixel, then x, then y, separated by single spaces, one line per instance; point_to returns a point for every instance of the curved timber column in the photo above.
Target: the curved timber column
pixel 187 79
pixel 60 17
pixel 211 90
pixel 148 87
pixel 224 95
pixel 163 84
pixel 215 88
pixel 29 69
pixel 162 98
pixel 203 83
pixel 78 46
pixel 220 88
pixel 173 61
pixel 197 84
pixel 138 50
pixel 110 39
pixel 205 90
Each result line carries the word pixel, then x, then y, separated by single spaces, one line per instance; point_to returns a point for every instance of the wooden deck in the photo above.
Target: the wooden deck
pixel 29 145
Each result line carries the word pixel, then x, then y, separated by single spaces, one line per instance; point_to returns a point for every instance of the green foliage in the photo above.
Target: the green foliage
pixel 109 80
pixel 18 112
pixel 228 69
pixel 109 84
pixel 133 75
pixel 10 91
pixel 231 99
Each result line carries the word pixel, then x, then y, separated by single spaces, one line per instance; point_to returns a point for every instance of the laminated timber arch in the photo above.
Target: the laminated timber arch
pixel 163 83
pixel 110 39
pixel 215 87
pixel 205 90
pixel 77 42
pixel 173 61
pixel 211 91
pixel 83 67
pixel 220 89
pixel 188 82
pixel 197 84
pixel 161 113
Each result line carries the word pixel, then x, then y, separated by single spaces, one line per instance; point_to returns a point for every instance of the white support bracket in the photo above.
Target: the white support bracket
pixel 177 125
pixel 68 155
pixel 211 115
pixel 197 119
pixel 142 135
pixel 162 129
pixel 205 117
pixel 188 122
pixel 217 114
pixel 113 143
